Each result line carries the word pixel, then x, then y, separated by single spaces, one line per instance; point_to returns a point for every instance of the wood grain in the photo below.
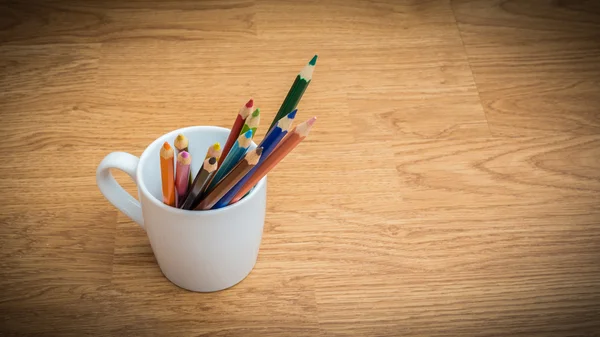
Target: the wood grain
pixel 535 64
pixel 451 185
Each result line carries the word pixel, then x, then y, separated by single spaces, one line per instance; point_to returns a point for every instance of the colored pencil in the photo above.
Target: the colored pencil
pixel 237 173
pixel 182 144
pixel 289 143
pixel 214 151
pixel 166 173
pixel 296 91
pixel 252 122
pixel 184 159
pixel 268 144
pixel 236 128
pixel 209 167
pixel 238 150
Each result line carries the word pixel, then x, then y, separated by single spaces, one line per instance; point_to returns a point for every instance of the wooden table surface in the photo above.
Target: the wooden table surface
pixel 451 185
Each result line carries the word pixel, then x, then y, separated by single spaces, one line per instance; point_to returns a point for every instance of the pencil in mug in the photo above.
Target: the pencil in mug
pixel 296 91
pixel 181 144
pixel 184 159
pixel 268 144
pixel 238 150
pixel 166 174
pixel 236 129
pixel 252 122
pixel 297 135
pixel 236 174
pixel 209 167
pixel 214 151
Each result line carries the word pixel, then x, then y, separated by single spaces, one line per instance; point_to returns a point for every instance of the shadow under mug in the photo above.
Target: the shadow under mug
pixel 200 251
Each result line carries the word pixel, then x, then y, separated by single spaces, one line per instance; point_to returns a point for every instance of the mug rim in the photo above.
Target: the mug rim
pixel 158 203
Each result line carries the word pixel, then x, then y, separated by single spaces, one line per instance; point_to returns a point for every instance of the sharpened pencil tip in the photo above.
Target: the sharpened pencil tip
pixel 212 160
pixel 181 142
pixel 256 112
pixel 313 61
pixel 311 121
pixel 259 151
pixel 166 151
pixel 292 114
pixel 217 146
pixel 184 158
pixel 248 134
pixel 250 103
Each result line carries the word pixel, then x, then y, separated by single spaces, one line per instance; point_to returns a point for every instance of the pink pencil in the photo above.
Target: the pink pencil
pixel 184 159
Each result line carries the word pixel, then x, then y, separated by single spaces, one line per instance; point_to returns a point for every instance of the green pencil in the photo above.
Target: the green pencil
pixel 251 123
pixel 296 91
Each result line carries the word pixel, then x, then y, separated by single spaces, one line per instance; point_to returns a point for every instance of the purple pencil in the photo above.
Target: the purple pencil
pixel 184 159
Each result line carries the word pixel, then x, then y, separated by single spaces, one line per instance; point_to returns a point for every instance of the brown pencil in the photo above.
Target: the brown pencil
pixel 232 178
pixel 287 145
pixel 167 174
pixel 209 167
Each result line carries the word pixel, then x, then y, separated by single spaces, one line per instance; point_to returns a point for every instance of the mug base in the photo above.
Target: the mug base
pixel 205 289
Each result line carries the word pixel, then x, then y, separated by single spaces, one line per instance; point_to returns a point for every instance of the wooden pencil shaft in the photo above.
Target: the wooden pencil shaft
pixel 290 142
pixel 296 91
pixel 291 100
pixel 230 179
pixel 168 186
pixel 268 145
pixel 285 124
pixel 167 174
pixel 193 197
pixel 240 120
pixel 238 150
pixel 271 161
pixel 232 159
pixel 233 134
pixel 182 175
pixel 200 182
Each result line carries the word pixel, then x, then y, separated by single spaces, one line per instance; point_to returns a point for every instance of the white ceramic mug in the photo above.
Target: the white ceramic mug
pixel 197 250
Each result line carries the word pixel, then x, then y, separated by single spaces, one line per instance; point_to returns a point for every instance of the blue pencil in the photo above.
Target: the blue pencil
pixel 269 143
pixel 237 152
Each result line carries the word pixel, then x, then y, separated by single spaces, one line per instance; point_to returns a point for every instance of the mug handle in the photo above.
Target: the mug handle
pixel 111 189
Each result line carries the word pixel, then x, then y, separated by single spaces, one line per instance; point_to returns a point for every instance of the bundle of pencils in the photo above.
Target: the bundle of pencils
pixel 230 172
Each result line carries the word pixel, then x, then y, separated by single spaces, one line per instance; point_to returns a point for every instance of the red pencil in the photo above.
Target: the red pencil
pixel 236 128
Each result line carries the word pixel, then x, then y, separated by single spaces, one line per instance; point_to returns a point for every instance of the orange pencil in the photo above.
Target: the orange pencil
pixel 167 174
pixel 287 145
pixel 235 129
